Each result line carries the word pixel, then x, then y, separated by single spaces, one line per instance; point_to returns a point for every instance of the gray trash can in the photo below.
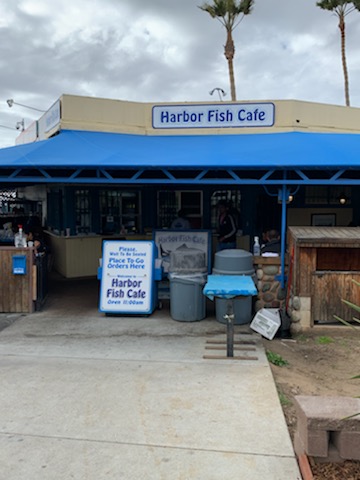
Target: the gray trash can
pixel 234 262
pixel 187 302
pixel 187 278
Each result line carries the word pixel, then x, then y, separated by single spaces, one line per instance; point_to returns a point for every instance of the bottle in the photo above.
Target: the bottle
pixel 20 238
pixel 256 248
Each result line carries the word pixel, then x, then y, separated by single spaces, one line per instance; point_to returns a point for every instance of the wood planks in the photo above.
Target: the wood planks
pixel 16 291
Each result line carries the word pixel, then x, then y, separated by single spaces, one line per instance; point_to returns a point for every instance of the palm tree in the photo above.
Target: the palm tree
pixel 342 8
pixel 229 13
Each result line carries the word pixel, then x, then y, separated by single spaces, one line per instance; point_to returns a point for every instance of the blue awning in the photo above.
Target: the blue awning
pixel 84 149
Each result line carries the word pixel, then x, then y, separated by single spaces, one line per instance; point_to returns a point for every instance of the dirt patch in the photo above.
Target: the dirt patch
pixel 319 362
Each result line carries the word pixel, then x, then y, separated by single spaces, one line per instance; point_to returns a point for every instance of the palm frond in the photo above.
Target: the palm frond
pixel 352 305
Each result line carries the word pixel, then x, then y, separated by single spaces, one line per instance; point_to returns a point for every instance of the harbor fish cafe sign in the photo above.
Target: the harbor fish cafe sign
pixel 219 115
pixel 127 277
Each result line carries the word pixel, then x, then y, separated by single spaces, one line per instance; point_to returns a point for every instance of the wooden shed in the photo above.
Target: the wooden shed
pixel 325 260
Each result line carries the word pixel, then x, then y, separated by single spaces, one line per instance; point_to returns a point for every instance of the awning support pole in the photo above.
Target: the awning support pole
pixel 284 197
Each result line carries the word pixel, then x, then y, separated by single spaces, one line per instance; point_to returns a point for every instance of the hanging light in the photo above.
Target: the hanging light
pixel 342 199
pixel 289 198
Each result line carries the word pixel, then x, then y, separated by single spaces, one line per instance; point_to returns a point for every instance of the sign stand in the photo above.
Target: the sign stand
pixel 127 277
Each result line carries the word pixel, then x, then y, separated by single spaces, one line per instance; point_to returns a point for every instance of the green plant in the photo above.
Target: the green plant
pixel 284 400
pixel 276 359
pixel 354 307
pixel 357 320
pixel 324 340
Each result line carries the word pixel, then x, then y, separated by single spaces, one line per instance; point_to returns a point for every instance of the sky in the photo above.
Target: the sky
pixel 167 51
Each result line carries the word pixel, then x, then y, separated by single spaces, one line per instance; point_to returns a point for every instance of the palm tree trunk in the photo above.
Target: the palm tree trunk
pixel 343 59
pixel 229 54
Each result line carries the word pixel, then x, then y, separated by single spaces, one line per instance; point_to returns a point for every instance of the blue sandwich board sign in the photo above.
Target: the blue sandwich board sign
pixel 127 277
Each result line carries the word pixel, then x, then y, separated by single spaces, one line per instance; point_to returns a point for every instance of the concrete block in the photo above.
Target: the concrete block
pixel 305 303
pixel 318 416
pixel 347 444
pixel 299 447
pixel 305 318
pixel 333 456
pixel 317 443
pixel 328 413
pixel 314 442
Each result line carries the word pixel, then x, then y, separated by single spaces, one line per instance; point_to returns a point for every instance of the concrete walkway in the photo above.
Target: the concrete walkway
pixel 90 397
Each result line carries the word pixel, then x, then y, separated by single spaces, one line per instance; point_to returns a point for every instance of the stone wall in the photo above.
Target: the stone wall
pixel 271 295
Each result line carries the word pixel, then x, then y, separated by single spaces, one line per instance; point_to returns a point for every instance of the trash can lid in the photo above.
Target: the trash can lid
pixel 233 260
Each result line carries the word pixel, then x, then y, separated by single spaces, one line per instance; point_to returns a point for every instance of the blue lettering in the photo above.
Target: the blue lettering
pixel 181 117
pixel 251 116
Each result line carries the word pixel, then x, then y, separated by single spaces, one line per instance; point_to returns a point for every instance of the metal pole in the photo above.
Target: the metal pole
pixel 229 317
pixel 284 197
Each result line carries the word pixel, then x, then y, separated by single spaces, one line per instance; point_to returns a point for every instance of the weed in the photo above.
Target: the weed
pixel 324 340
pixel 276 359
pixel 301 338
pixel 284 400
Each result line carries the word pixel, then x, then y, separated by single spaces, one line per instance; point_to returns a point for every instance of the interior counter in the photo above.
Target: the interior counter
pixel 78 256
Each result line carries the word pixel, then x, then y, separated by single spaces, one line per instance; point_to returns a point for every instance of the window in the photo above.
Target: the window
pixel 169 203
pixel 119 211
pixel 82 211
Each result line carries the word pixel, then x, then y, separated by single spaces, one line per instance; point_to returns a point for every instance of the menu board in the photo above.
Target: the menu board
pixel 127 277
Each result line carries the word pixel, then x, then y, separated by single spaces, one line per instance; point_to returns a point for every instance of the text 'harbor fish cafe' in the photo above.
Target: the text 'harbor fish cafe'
pixel 224 115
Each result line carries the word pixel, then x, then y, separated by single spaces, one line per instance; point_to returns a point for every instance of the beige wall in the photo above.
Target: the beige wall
pixel 302 216
pixel 106 115
pixel 78 256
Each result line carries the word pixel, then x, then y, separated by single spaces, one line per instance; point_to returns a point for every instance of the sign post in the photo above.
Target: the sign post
pixel 127 277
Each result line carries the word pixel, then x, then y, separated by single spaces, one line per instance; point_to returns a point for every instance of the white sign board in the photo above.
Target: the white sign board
pixel 29 135
pixel 167 241
pixel 127 277
pixel 219 115
pixel 49 120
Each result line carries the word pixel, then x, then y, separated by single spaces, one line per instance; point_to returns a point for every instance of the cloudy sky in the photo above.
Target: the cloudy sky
pixel 167 51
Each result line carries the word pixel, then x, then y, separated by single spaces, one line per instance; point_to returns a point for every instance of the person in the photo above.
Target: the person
pixel 181 222
pixel 272 244
pixel 226 227
pixel 35 240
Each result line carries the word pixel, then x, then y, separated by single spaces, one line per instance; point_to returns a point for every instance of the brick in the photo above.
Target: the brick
pixel 348 444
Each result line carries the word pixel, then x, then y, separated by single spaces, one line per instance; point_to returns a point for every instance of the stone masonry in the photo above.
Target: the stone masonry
pixel 270 293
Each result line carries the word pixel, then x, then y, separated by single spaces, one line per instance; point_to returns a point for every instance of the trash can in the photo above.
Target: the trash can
pixel 234 262
pixel 187 302
pixel 187 276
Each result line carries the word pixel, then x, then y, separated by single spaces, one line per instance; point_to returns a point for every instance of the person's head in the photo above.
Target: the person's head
pixel 273 235
pixel 222 206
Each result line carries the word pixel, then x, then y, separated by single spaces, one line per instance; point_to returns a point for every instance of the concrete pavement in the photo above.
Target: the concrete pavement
pixel 88 397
